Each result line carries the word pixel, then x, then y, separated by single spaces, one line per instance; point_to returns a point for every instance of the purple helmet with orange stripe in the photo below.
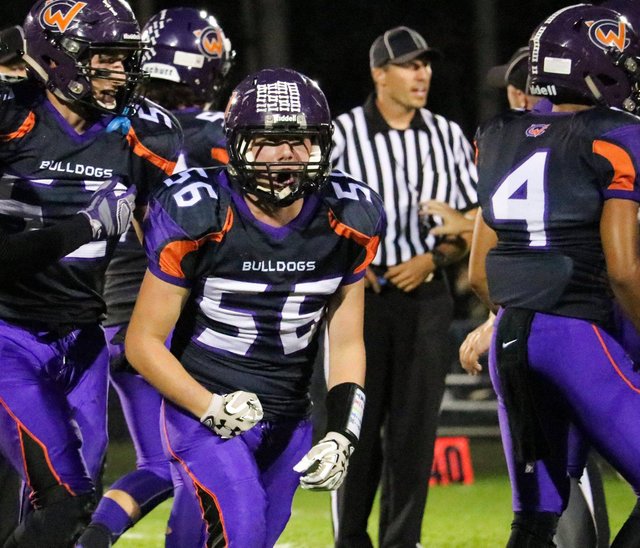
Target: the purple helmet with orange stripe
pixel 586 54
pixel 70 44
pixel 187 46
pixel 274 106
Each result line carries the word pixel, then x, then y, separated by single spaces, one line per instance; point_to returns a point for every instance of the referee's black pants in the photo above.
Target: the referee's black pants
pixel 406 339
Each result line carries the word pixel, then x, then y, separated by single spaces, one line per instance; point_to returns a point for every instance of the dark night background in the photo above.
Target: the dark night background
pixel 329 41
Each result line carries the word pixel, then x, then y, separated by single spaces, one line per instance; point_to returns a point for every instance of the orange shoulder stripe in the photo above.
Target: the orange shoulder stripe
pixel 624 174
pixel 220 154
pixel 369 243
pixel 173 253
pixel 138 148
pixel 25 128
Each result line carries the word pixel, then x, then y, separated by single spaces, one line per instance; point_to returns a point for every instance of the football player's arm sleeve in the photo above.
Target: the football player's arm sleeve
pixel 27 253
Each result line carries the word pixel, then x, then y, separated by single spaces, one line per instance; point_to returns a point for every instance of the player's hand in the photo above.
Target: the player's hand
pixel 371 280
pixel 475 345
pixel 454 222
pixel 410 274
pixel 110 210
pixel 232 414
pixel 324 467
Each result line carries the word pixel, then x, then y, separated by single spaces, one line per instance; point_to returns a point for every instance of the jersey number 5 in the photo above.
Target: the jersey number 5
pixel 520 196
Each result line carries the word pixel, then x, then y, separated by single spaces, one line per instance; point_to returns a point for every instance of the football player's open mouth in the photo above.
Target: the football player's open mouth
pixel 107 98
pixel 284 178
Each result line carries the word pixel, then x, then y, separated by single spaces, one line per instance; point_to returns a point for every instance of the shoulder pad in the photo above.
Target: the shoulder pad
pixel 157 130
pixel 204 138
pixel 16 104
pixel 151 116
pixel 498 122
pixel 195 200
pixel 354 203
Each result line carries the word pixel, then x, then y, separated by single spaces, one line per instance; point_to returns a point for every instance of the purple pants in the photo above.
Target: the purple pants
pixel 626 333
pixel 141 407
pixel 590 382
pixel 53 406
pixel 243 487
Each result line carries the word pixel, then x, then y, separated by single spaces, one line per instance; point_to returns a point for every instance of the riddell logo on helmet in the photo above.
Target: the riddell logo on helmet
pixel 607 33
pixel 549 89
pixel 59 14
pixel 211 42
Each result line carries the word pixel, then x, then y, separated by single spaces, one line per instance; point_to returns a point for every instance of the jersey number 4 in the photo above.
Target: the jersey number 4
pixel 520 196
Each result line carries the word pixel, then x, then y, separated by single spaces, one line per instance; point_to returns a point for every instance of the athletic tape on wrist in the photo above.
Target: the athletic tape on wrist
pixel 345 406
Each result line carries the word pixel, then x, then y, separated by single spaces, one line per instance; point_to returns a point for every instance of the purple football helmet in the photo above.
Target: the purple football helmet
pixel 187 46
pixel 629 8
pixel 62 36
pixel 278 105
pixel 586 54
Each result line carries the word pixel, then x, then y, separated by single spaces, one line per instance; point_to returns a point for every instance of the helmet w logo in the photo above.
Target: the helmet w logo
pixel 535 130
pixel 608 34
pixel 211 42
pixel 59 14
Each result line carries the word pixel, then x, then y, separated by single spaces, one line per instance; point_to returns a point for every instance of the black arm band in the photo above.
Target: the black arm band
pixel 345 406
pixel 29 252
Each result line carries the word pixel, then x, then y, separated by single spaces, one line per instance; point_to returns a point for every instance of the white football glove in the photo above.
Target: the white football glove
pixel 324 467
pixel 111 209
pixel 231 414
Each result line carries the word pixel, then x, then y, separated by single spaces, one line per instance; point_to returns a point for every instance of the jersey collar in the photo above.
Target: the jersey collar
pixel 377 124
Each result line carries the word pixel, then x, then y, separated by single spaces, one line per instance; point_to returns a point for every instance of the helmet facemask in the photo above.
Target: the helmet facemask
pixel 631 66
pixel 280 182
pixel 108 90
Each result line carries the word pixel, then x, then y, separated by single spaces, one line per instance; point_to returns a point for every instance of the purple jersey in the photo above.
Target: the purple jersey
pixel 543 178
pixel 48 172
pixel 204 146
pixel 205 143
pixel 258 293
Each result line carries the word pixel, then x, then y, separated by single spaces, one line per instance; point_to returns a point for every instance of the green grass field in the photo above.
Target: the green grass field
pixel 457 516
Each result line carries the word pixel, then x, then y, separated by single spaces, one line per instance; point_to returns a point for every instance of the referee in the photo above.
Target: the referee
pixel 408 155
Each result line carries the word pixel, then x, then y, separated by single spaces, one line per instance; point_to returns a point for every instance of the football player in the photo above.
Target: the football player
pixel 559 199
pixel 187 58
pixel 12 67
pixel 244 262
pixel 72 125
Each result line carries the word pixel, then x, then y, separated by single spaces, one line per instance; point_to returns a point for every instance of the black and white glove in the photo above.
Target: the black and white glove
pixel 232 414
pixel 110 210
pixel 324 467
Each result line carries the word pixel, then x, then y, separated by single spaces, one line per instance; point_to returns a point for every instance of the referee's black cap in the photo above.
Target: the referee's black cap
pixel 399 45
pixel 11 45
pixel 513 72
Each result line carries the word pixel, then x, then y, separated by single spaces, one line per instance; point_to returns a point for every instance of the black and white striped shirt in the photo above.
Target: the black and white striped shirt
pixel 431 159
